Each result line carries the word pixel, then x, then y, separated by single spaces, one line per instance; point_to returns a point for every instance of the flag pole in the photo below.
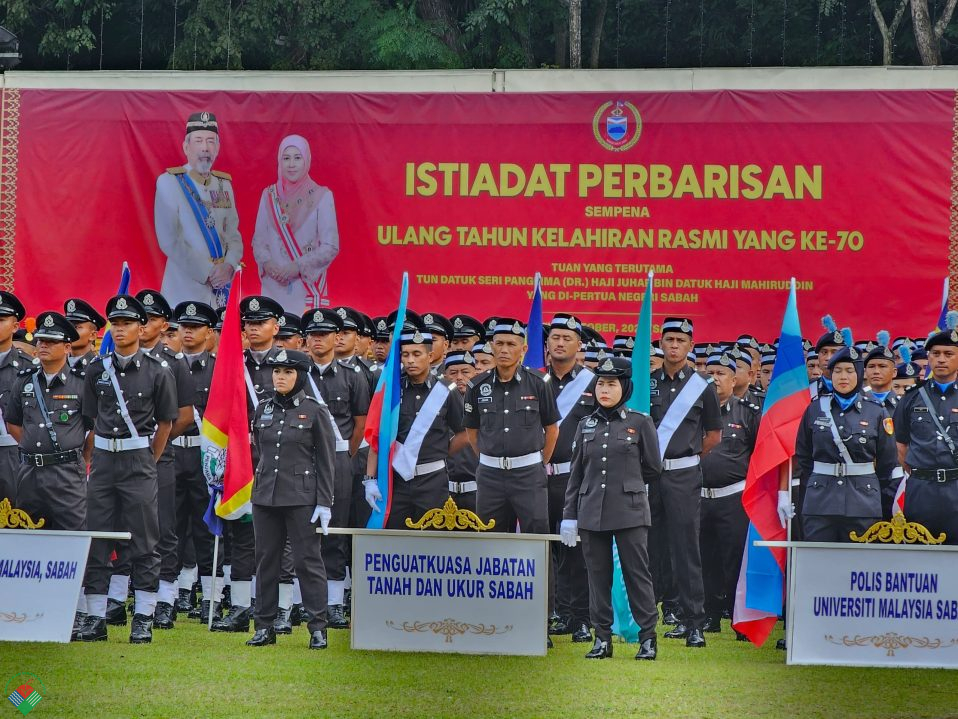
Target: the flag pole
pixel 216 552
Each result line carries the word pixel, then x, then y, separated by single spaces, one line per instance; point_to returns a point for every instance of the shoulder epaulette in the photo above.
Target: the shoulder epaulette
pixel 221 175
pixel 479 379
pixel 78 370
pixel 163 362
pixel 97 359
pixel 25 372
pixel 176 170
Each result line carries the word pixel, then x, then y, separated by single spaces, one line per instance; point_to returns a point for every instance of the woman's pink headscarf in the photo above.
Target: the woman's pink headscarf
pixel 300 197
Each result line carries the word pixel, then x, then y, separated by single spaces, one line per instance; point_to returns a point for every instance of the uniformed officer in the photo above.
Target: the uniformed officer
pixel 846 451
pixel 460 367
pixel 88 322
pixel 192 498
pixel 195 218
pixel 926 430
pixel 290 335
pixel 880 372
pixel 292 489
pixel 724 523
pixel 907 373
pixel 442 333
pixel 685 409
pixel 172 337
pixel 12 361
pixel 485 360
pixel 43 412
pixel 130 397
pixel 342 388
pixel 260 317
pixel 574 387
pixel 381 339
pixel 828 344
pixel 512 422
pixel 812 367
pixel 467 332
pixel 616 455
pixel 429 430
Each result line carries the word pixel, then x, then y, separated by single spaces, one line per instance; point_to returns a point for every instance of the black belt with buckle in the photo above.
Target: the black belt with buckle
pixel 48 460
pixel 936 475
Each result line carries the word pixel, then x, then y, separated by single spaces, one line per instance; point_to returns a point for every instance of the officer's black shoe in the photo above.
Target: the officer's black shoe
pixel 79 619
pixel 549 644
pixel 780 644
pixel 562 625
pixel 195 611
pixel 347 601
pixel 695 639
pixel 739 637
pixel 227 600
pixel 141 629
pixel 726 614
pixel 262 637
pixel 648 649
pixel 302 616
pixel 236 621
pixel 204 612
pixel 183 603
pixel 295 616
pixel 670 617
pixel 163 616
pixel 195 591
pixel 115 613
pixel 318 639
pixel 679 632
pixel 712 624
pixel 600 650
pixel 582 634
pixel 93 630
pixel 335 617
pixel 282 623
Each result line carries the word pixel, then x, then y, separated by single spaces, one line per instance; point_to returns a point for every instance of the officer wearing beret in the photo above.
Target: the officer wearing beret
pixel 926 431
pixel 88 322
pixel 616 455
pixel 512 422
pixel 129 397
pixel 429 430
pixel 460 367
pixel 12 361
pixel 192 498
pixel 292 489
pixel 685 409
pixel 195 218
pixel 846 452
pixel 290 335
pixel 724 523
pixel 574 387
pixel 343 389
pixel 260 319
pixel 466 333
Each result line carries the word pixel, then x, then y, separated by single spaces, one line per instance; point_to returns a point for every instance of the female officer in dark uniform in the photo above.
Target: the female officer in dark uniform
pixel 292 488
pixel 846 451
pixel 616 451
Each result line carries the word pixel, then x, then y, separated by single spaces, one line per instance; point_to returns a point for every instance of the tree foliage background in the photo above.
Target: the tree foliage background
pixel 441 34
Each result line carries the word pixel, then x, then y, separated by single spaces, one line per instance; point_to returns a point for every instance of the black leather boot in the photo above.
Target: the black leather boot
pixel 318 639
pixel 601 649
pixel 335 617
pixel 695 639
pixel 163 616
pixel 648 649
pixel 262 637
pixel 283 624
pixel 681 631
pixel 141 629
pixel 236 621
pixel 582 633
pixel 93 630
pixel 79 619
pixel 115 613
pixel 183 603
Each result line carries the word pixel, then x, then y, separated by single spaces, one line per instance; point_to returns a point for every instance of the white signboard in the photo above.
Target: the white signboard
pixel 447 592
pixel 873 606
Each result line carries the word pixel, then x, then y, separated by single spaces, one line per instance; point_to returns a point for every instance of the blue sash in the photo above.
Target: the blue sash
pixel 207 226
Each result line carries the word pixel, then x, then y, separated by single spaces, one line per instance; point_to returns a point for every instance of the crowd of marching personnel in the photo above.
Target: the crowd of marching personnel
pixel 111 442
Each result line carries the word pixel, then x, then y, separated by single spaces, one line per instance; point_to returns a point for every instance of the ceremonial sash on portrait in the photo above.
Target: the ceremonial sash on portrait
pixel 207 225
pixel 315 290
pixel 677 411
pixel 572 391
pixel 407 453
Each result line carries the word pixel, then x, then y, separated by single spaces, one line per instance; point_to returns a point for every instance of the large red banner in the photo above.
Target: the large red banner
pixel 724 194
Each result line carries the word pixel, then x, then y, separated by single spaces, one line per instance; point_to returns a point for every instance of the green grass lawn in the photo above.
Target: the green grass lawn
pixel 188 672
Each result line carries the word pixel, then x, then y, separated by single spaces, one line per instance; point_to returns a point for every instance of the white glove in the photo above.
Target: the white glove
pixel 373 495
pixel 785 509
pixel 569 531
pixel 323 514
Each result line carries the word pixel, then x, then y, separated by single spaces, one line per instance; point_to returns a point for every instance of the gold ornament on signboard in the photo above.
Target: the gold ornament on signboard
pixel 897 531
pixel 450 517
pixel 11 518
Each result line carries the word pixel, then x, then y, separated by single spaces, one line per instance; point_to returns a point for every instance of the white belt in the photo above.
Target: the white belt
pixel 429 467
pixel 681 462
pixel 897 473
pixel 719 492
pixel 560 468
pixel 855 469
pixel 796 481
pixel 187 442
pixel 342 445
pixel 463 487
pixel 525 460
pixel 7 440
pixel 121 445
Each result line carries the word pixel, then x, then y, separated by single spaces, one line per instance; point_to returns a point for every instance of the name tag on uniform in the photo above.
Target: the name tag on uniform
pixel 919 409
pixel 220 199
pixel 654 393
pixel 485 400
pixel 528 397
